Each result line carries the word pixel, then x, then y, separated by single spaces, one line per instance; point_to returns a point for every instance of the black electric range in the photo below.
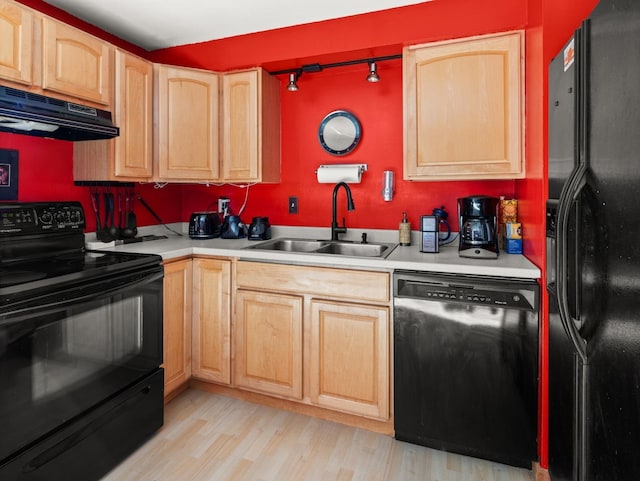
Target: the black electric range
pixel 81 347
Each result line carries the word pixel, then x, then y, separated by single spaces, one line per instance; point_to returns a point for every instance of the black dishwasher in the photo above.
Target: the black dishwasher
pixel 466 365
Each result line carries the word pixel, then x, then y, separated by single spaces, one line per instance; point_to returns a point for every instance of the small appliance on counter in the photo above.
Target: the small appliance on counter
pixel 260 229
pixel 429 233
pixel 204 225
pixel 435 231
pixel 233 228
pixel 478 218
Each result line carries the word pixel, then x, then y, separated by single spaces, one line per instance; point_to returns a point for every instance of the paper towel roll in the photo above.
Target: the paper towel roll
pixel 334 174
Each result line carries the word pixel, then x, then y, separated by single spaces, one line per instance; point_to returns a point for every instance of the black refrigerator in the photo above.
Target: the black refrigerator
pixel 593 249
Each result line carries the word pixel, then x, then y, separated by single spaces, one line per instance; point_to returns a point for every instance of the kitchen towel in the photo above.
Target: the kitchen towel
pixel 332 174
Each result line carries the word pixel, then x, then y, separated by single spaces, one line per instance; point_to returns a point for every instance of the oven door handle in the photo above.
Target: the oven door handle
pixel 97 291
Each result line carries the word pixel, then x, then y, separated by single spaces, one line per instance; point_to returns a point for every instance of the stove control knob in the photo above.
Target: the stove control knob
pixel 46 218
pixel 75 217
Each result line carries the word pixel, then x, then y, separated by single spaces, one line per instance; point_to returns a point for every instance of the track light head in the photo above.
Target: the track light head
pixel 293 86
pixel 373 74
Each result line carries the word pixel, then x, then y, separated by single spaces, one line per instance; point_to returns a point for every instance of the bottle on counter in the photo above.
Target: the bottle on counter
pixel 404 231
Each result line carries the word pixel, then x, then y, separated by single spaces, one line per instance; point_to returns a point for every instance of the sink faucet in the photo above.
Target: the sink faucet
pixel 335 229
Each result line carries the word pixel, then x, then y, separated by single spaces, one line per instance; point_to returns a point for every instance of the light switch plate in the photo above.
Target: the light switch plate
pixel 293 205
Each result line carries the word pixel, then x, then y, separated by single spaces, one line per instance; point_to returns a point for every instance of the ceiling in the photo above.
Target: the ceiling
pixel 151 24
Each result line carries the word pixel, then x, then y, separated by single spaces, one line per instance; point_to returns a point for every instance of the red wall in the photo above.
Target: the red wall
pixel 377 106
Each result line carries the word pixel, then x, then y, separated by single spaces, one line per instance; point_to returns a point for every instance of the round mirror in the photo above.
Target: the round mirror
pixel 339 132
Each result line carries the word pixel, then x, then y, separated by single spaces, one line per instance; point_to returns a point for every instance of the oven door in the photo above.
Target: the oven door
pixel 64 353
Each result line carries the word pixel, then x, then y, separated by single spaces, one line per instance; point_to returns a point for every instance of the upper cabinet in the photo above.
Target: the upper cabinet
pixel 75 63
pixel 43 55
pixel 464 109
pixel 186 136
pixel 128 157
pixel 16 43
pixel 250 127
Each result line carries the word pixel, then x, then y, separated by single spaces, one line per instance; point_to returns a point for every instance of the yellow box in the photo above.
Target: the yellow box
pixel 513 230
pixel 508 210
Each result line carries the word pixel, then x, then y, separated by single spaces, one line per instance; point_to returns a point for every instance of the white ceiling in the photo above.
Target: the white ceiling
pixel 153 24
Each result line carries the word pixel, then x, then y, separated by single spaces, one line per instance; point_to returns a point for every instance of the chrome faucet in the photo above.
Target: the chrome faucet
pixel 335 229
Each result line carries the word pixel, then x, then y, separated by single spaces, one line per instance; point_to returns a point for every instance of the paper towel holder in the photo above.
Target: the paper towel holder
pixel 359 168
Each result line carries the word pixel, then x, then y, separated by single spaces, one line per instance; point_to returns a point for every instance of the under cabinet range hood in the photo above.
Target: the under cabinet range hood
pixel 34 114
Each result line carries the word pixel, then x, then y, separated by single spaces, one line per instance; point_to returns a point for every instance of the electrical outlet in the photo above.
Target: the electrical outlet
pixel 293 205
pixel 223 204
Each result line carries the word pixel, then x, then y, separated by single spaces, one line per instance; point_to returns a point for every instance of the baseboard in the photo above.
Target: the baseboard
pixel 382 427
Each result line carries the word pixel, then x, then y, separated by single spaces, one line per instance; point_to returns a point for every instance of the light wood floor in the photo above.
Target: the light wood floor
pixel 210 437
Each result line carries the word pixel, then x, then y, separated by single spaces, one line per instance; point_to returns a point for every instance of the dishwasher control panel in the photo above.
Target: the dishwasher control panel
pixel 487 294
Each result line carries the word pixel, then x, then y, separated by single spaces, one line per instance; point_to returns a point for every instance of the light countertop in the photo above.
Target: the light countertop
pixel 402 257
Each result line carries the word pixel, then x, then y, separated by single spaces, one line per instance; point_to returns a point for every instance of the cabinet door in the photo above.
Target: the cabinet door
pixel 187 137
pixel 177 324
pixel 464 109
pixel 268 343
pixel 16 43
pixel 240 144
pixel 350 358
pixel 128 157
pixel 134 116
pixel 211 346
pixel 75 63
pixel 250 127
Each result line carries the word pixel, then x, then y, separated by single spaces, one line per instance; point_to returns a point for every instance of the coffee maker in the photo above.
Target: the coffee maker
pixel 478 218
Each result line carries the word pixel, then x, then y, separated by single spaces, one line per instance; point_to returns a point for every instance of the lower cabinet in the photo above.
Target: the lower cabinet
pixel 211 342
pixel 350 358
pixel 177 324
pixel 315 334
pixel 268 343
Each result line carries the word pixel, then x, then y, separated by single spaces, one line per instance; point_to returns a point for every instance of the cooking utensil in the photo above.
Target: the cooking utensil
pixel 113 229
pixel 131 228
pixel 95 202
pixel 120 227
pixel 106 233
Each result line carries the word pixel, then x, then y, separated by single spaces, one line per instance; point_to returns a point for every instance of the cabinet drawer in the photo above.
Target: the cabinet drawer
pixel 321 281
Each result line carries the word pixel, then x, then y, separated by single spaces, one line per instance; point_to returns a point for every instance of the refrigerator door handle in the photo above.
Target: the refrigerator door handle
pixel 577 181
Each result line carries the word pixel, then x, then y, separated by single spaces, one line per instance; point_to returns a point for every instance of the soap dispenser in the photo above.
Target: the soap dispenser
pixel 405 231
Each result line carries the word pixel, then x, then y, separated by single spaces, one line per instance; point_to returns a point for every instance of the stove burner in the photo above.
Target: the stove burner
pixel 9 278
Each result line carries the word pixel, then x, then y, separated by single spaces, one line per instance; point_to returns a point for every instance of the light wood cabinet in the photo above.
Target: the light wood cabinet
pixel 75 63
pixel 250 127
pixel 268 343
pixel 211 345
pixel 186 129
pixel 350 358
pixel 16 43
pixel 345 345
pixel 177 300
pixel 128 157
pixel 464 109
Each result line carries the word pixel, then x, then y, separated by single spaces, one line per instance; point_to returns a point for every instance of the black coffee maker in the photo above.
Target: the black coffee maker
pixel 478 218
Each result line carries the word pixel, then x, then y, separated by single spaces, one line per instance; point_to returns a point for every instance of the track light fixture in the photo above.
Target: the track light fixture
pixel 295 73
pixel 373 74
pixel 293 86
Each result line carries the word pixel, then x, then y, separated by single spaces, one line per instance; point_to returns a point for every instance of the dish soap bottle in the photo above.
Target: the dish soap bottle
pixel 405 231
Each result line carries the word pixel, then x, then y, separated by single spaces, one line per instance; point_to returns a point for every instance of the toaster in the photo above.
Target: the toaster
pixel 204 225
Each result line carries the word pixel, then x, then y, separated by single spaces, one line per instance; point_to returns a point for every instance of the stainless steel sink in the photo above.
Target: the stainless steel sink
pixel 354 250
pixel 289 245
pixel 326 247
